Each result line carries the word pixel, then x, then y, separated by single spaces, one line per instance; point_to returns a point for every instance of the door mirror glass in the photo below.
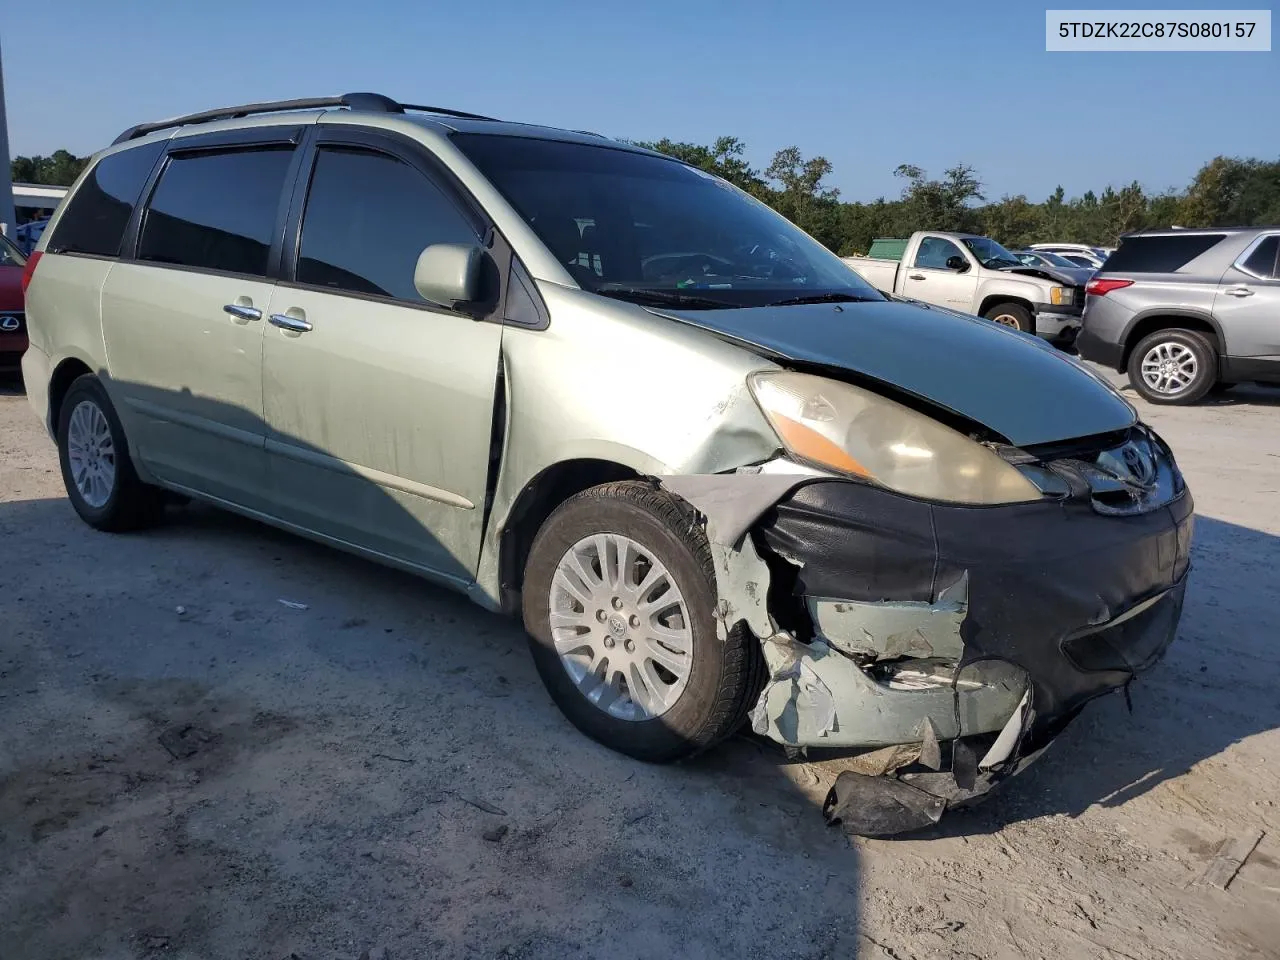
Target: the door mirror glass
pixel 957 263
pixel 450 274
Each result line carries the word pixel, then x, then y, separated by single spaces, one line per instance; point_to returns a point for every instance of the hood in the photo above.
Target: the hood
pixel 1013 384
pixel 10 288
pixel 1072 278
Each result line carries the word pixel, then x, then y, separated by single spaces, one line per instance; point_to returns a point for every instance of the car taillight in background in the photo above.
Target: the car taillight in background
pixel 29 271
pixel 1100 288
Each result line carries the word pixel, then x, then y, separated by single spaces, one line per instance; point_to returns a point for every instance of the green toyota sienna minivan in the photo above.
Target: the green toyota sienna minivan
pixel 720 478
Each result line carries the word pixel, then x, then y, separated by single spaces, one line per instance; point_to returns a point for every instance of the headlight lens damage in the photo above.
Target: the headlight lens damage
pixel 862 434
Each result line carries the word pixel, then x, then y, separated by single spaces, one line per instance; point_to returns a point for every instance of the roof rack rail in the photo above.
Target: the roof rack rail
pixel 372 102
pixel 444 112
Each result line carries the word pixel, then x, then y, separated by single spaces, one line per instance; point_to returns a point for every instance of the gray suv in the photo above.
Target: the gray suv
pixel 1187 311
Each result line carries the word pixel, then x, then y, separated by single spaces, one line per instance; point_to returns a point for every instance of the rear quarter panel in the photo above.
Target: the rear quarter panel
pixel 64 317
pixel 1161 295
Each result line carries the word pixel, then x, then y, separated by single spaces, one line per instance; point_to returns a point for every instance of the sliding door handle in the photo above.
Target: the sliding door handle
pixel 292 324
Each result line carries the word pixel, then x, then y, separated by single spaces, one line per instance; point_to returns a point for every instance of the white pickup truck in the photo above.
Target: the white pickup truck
pixel 974 275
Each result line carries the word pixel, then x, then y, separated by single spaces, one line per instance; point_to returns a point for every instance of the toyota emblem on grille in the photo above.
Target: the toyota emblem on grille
pixel 9 323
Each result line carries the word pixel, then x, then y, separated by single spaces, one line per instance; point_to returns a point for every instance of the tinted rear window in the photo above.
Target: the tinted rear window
pixel 97 214
pixel 216 211
pixel 1163 254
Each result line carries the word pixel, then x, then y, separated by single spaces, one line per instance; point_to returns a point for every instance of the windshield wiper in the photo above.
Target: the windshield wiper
pixel 673 297
pixel 823 298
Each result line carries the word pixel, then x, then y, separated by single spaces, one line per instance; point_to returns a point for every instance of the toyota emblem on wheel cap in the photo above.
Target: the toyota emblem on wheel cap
pixel 9 323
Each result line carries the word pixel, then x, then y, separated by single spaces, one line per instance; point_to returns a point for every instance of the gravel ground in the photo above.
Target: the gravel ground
pixel 192 769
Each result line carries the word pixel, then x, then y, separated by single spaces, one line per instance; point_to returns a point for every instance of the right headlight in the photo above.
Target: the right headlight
pixel 862 434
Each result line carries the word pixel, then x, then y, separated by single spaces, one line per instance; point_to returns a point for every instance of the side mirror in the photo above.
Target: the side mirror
pixel 450 273
pixel 957 263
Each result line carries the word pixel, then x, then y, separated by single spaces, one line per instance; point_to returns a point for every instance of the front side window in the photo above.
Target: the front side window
pixel 368 218
pixel 934 253
pixel 216 211
pixel 651 229
pixel 98 212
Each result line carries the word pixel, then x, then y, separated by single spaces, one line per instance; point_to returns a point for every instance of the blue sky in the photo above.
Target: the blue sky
pixel 868 85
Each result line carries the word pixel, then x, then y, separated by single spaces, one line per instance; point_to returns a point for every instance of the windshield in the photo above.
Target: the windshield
pixel 1080 260
pixel 10 256
pixel 648 229
pixel 1058 261
pixel 1039 258
pixel 990 253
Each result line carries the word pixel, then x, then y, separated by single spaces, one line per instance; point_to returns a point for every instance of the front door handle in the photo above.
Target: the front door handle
pixel 242 312
pixel 917 276
pixel 293 324
pixel 1239 292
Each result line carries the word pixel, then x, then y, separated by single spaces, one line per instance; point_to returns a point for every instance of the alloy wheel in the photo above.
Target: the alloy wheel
pixel 91 452
pixel 621 627
pixel 1169 368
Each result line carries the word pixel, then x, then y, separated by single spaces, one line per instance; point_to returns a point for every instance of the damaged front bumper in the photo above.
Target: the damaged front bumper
pixel 950 643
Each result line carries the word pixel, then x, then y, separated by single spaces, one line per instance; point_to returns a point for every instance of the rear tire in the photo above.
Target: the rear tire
pixel 1173 367
pixel 101 482
pixel 604 624
pixel 1012 315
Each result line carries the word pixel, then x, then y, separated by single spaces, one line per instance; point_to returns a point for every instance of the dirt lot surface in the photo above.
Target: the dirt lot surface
pixel 190 768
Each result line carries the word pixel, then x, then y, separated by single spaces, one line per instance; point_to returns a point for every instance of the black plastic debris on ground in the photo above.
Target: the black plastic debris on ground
pixel 879 806
pixel 185 741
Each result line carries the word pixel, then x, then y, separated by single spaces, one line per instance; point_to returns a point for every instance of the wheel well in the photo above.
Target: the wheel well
pixel 991 301
pixel 67 373
pixel 536 502
pixel 1149 325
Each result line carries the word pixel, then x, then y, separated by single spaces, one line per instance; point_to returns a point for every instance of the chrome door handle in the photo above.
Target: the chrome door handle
pixel 241 312
pixel 917 276
pixel 286 322
pixel 1239 292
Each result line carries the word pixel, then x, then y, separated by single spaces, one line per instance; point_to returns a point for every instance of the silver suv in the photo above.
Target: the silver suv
pixel 715 473
pixel 1187 311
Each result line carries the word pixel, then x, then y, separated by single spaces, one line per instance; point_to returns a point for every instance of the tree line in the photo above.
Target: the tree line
pixel 1227 191
pixel 59 169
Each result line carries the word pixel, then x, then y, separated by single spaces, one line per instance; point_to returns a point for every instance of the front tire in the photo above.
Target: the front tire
pixel 619 598
pixel 1173 367
pixel 1012 315
pixel 101 483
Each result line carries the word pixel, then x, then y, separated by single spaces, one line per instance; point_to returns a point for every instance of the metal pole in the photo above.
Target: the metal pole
pixel 8 217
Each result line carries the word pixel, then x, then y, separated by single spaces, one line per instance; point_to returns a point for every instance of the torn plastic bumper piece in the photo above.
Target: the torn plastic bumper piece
pixel 818 697
pixel 1079 601
pixel 985 628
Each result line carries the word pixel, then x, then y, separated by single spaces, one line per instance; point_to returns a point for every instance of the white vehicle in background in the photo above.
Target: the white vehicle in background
pixel 1081 254
pixel 975 275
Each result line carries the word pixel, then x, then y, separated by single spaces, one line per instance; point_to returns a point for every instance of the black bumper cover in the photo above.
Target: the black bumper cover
pixel 1062 310
pixel 1092 347
pixel 1045 579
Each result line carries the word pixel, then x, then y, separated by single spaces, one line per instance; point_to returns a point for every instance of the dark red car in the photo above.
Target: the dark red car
pixel 13 320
